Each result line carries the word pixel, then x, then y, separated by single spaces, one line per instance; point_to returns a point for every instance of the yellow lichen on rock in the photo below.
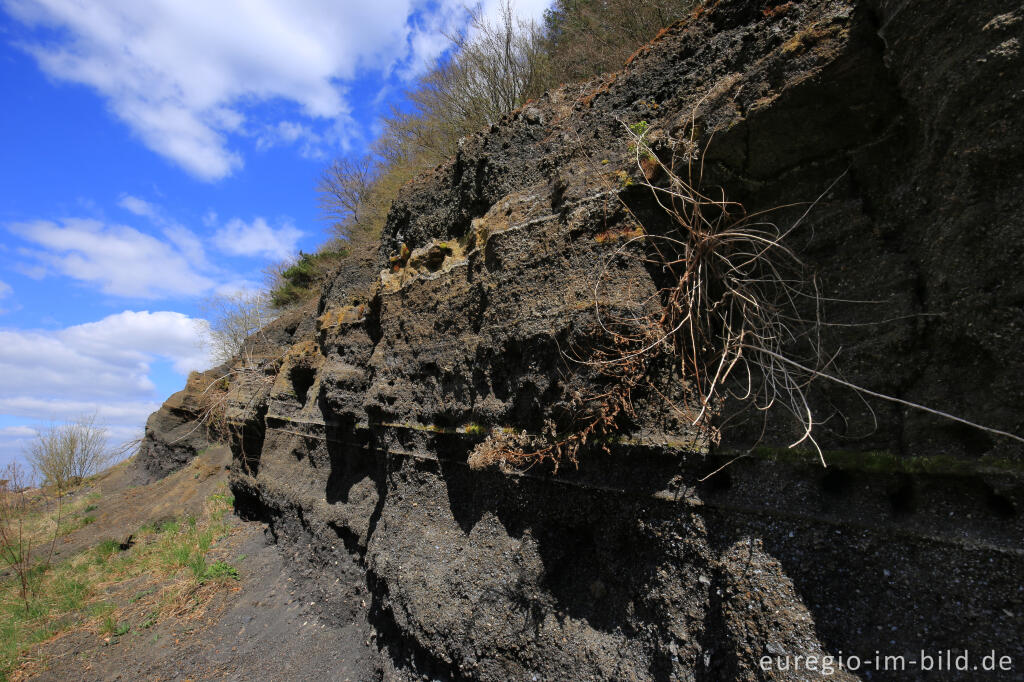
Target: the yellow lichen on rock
pixel 336 317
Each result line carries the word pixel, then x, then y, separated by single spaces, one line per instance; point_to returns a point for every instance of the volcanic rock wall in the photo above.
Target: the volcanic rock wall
pixel 895 129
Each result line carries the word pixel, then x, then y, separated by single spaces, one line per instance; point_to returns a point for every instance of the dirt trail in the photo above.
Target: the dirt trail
pixel 263 629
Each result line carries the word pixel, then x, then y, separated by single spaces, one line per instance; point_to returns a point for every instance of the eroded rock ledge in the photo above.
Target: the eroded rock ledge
pixel 629 566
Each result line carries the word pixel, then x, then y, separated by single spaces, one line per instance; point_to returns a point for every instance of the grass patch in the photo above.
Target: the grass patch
pixel 106 549
pixel 218 571
pixel 170 570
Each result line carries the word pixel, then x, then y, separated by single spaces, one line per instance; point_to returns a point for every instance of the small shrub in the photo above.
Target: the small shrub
pixel 107 549
pixel 64 454
pixel 220 570
pixel 298 281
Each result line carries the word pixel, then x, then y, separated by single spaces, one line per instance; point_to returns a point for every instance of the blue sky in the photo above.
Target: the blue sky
pixel 155 153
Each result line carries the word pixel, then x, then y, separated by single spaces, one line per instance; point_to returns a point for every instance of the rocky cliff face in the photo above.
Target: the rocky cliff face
pixel 898 125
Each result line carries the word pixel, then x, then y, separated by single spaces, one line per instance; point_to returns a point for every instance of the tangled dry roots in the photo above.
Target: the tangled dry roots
pixel 730 309
pixel 734 310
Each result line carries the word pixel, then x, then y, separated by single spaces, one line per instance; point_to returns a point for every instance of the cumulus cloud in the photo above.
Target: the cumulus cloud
pixel 102 368
pixel 110 358
pixel 119 259
pixel 181 73
pixel 139 207
pixel 184 239
pixel 258 238
pixel 310 143
pixel 130 335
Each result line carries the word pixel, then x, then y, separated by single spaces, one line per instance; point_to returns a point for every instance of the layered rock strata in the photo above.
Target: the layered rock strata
pixel 889 132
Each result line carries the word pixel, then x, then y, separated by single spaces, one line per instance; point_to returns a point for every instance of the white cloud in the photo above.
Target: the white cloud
pixel 181 72
pixel 138 206
pixel 429 40
pixel 171 335
pixel 310 144
pixel 240 287
pixel 110 358
pixel 13 444
pixel 102 368
pixel 121 260
pixel 66 410
pixel 284 132
pixel 186 241
pixel 258 238
pixel 5 291
pixel 17 431
pixel 188 244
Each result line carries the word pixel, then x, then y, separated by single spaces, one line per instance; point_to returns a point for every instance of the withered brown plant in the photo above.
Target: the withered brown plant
pixel 593 416
pixel 736 295
pixel 741 310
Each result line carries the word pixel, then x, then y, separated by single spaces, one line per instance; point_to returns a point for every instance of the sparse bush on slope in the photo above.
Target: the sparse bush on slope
pixel 64 454
pixel 583 38
pixel 297 282
pixel 235 322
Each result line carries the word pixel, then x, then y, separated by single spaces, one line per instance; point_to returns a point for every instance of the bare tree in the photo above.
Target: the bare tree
pixel 235 325
pixel 345 189
pixel 15 543
pixel 495 64
pixel 63 454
